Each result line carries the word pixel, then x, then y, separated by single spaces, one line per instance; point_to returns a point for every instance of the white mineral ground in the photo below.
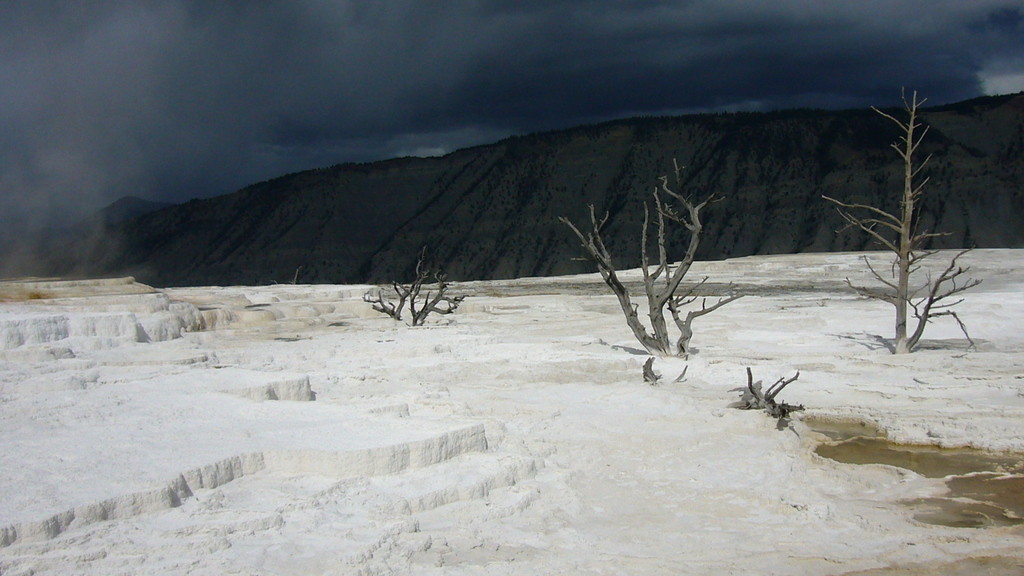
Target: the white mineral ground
pixel 292 430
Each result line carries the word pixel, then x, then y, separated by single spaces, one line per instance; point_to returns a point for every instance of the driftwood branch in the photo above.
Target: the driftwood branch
pixel 650 376
pixel 753 397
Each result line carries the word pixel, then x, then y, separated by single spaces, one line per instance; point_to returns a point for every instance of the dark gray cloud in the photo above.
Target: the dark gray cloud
pixel 179 99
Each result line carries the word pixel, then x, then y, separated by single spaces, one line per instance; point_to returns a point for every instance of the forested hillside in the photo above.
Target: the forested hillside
pixel 491 211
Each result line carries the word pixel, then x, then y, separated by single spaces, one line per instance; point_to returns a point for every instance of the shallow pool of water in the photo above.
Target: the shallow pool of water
pixel 984 489
pixel 928 461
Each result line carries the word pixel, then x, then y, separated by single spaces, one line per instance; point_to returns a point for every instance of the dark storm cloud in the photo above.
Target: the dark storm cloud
pixel 172 100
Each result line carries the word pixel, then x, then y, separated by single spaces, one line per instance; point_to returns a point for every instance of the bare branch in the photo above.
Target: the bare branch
pixel 895 222
pixel 774 390
pixel 932 305
pixel 878 276
pixel 754 398
pixel 685 325
pixel 682 375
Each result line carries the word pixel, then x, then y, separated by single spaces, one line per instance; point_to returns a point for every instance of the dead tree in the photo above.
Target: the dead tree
pixel 661 283
pixel 898 233
pixel 755 398
pixel 409 295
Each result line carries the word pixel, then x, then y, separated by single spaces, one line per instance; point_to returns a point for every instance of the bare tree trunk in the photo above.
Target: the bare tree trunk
pixel 909 143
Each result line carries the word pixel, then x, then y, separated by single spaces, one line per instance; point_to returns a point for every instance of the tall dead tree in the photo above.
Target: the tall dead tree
pixel 899 234
pixel 662 282
pixel 436 298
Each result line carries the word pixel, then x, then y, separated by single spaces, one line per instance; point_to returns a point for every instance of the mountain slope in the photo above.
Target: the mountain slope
pixel 771 169
pixel 491 211
pixel 129 207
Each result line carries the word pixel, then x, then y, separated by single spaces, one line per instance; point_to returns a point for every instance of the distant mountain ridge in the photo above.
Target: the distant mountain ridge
pixel 130 207
pixel 491 211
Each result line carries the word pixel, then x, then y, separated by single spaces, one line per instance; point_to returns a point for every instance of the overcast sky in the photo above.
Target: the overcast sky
pixel 172 100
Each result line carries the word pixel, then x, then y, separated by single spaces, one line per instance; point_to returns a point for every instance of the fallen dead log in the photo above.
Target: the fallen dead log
pixel 753 397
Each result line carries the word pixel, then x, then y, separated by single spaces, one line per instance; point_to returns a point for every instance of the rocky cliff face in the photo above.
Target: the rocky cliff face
pixel 491 211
